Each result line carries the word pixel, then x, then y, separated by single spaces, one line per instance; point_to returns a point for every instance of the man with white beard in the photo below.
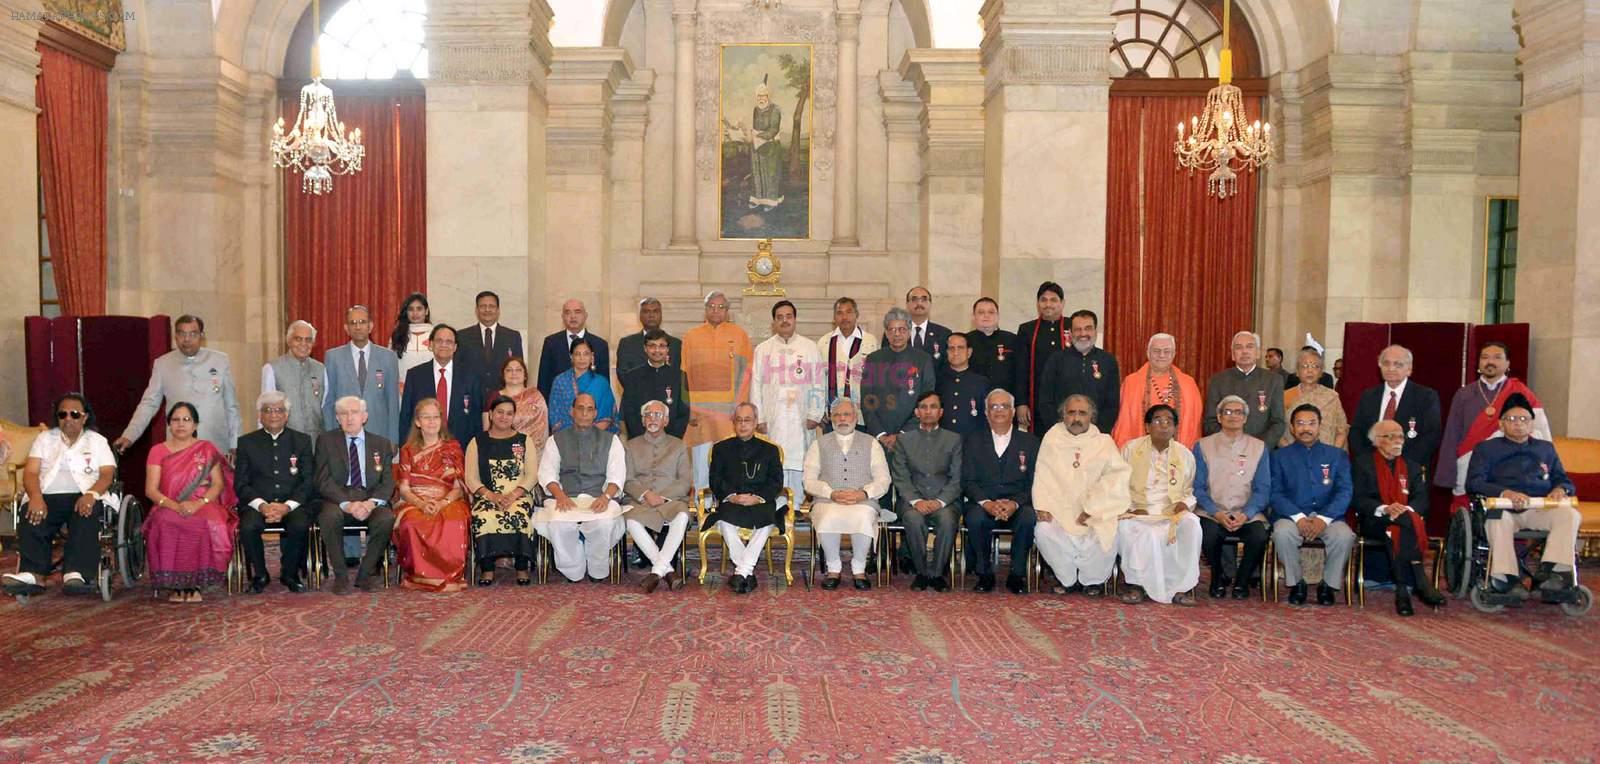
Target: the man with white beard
pixel 1080 492
pixel 846 473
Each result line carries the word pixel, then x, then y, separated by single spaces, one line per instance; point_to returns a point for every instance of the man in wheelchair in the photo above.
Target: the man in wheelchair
pixel 1520 469
pixel 68 469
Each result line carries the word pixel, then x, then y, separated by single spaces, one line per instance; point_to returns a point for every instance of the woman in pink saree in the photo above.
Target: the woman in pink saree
pixel 190 531
pixel 430 524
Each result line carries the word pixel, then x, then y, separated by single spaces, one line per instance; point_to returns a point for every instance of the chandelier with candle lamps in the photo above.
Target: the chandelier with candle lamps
pixel 317 146
pixel 1218 141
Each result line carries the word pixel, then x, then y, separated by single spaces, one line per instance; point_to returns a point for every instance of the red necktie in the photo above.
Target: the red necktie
pixel 442 391
pixel 1394 403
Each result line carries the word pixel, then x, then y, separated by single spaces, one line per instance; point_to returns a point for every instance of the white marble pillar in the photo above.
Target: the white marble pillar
pixel 848 18
pixel 950 85
pixel 630 116
pixel 683 180
pixel 19 202
pixel 901 184
pixel 488 61
pixel 1047 95
pixel 1558 271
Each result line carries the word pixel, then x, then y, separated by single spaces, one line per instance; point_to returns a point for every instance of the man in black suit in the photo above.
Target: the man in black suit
pixel 1413 405
pixel 355 478
pixel 997 465
pixel 488 344
pixel 630 349
pixel 657 380
pixel 927 336
pixel 456 384
pixel 272 476
pixel 556 355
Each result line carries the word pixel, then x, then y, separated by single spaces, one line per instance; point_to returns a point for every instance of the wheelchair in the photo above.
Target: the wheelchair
pixel 1466 566
pixel 121 538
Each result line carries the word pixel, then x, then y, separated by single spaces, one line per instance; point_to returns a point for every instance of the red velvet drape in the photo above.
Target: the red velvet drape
pixel 366 240
pixel 1192 271
pixel 71 94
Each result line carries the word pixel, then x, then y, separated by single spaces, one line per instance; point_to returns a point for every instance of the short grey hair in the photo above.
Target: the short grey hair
pixel 1253 336
pixel 1094 410
pixel 649 301
pixel 1372 432
pixel 896 313
pixel 714 294
pixel 1012 399
pixel 654 402
pixel 287 333
pixel 1233 399
pixel 1410 361
pixel 840 401
pixel 353 403
pixel 1150 343
pixel 271 398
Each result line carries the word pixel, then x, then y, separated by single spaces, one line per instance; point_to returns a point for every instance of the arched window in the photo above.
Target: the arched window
pixel 1165 39
pixel 375 40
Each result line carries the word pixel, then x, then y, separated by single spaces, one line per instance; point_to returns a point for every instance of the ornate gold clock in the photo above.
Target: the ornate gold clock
pixel 764 270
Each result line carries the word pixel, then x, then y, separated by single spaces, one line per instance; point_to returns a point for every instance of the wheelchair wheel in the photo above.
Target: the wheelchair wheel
pixel 130 542
pixel 1480 600
pixel 1458 554
pixel 104 581
pixel 1580 606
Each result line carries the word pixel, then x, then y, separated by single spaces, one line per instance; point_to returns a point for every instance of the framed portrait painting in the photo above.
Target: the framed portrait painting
pixel 764 124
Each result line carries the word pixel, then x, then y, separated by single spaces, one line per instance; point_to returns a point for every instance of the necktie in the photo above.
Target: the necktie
pixel 488 343
pixel 361 369
pixel 572 339
pixel 1394 403
pixel 355 466
pixel 919 338
pixel 442 392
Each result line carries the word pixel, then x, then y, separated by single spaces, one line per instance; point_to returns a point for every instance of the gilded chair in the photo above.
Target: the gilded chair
pixel 705 503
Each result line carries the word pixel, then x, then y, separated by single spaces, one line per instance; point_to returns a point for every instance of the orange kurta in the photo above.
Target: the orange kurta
pixel 716 361
pixel 1139 393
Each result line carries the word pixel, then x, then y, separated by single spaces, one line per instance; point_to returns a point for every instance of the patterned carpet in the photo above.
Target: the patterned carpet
pixel 593 672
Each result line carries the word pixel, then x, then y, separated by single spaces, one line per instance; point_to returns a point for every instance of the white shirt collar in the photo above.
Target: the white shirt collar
pixel 1399 391
pixel 448 368
pixel 1493 386
pixel 923 326
pixel 481 327
pixel 1244 371
pixel 853 335
pixel 579 334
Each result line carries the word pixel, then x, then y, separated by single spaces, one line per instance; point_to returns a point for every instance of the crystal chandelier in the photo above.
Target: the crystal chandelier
pixel 317 147
pixel 1218 140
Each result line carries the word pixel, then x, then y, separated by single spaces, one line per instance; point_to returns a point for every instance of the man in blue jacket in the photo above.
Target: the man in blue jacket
pixel 1521 468
pixel 1310 495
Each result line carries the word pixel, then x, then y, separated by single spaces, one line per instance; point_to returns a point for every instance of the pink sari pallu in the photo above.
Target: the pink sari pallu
pixel 190 552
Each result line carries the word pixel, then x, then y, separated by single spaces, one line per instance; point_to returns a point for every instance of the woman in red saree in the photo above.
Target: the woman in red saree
pixel 190 531
pixel 430 529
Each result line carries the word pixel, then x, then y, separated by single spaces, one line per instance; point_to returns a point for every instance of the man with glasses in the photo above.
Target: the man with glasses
pixel 195 374
pixel 456 385
pixel 1413 405
pixel 925 465
pixel 1527 472
pixel 355 482
pixel 1232 483
pixel 1311 492
pixel 927 336
pixel 366 370
pixel 68 468
pixel 272 477
pixel 716 361
pixel 997 467
pixel 1261 390
pixel 303 379
pixel 1159 383
pixel 660 478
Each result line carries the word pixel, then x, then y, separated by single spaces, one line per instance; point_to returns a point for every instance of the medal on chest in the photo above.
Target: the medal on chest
pixel 1096 366
pixel 1405 485
pixel 1411 428
pixel 518 451
pixel 1261 401
pixel 1326 474
pixel 669 396
pixel 1544 471
pixel 379 376
pixel 1173 480
pixel 1489 410
pixel 911 383
pixel 1022 461
pixel 935 351
pixel 316 389
pixel 799 368
pixel 88 465
pixel 974 402
pixel 216 384
pixel 1000 352
pixel 294 464
pixel 466 404
pixel 377 462
pixel 1241 465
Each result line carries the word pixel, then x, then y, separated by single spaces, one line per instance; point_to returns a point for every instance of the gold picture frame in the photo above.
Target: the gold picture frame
pixel 764 151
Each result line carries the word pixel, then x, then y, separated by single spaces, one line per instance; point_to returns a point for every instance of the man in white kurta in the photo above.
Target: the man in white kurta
pixel 1079 494
pixel 846 473
pixel 583 469
pixel 1159 536
pixel 788 388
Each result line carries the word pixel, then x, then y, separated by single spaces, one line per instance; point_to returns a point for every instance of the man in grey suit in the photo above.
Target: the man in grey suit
pixel 355 478
pixel 366 370
pixel 926 466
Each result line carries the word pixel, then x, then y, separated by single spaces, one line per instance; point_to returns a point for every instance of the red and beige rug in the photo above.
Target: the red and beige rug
pixel 594 672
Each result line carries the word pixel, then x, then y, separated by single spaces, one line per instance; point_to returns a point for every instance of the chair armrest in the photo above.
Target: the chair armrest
pixel 703 501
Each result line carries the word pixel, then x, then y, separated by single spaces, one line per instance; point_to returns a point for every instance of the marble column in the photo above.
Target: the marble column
pixel 950 86
pixel 630 115
pixel 1046 99
pixel 488 61
pixel 683 180
pixel 19 202
pixel 848 18
pixel 901 184
pixel 582 84
pixel 1558 272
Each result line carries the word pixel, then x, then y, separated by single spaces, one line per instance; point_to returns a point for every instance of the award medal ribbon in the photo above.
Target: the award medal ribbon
pixel 466 404
pixel 1261 400
pixel 1544 470
pixel 1022 460
pixel 799 368
pixel 1096 366
pixel 1405 485
pixel 216 384
pixel 1077 459
pixel 935 351
pixel 1173 480
pixel 316 389
pixel 294 464
pixel 669 396
pixel 974 402
pixel 88 465
pixel 911 383
pixel 379 376
pixel 1241 465
pixel 377 462
pixel 1411 428
pixel 1326 480
pixel 518 451
pixel 1000 352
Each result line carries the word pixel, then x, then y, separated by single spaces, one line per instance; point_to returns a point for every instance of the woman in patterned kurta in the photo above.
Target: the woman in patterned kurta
pixel 500 477
pixel 532 415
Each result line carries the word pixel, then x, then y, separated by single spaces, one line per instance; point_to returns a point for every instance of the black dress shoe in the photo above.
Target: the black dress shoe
pixel 863 583
pixel 1324 595
pixel 1016 585
pixel 1241 591
pixel 830 583
pixel 940 584
pixel 920 584
pixel 751 584
pixel 368 584
pixel 1402 602
pixel 1219 587
pixel 293 584
pixel 259 585
pixel 341 585
pixel 1297 594
pixel 1095 591
pixel 985 584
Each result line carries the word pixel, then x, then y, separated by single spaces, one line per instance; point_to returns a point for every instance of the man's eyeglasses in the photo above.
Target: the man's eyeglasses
pixel 1517 419
pixel 70 415
pixel 1000 406
pixel 1233 412
pixel 274 410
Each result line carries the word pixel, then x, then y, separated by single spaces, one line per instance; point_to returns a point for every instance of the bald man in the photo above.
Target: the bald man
pixel 556 355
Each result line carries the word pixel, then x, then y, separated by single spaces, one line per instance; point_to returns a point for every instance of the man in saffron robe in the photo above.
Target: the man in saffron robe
pixel 1159 382
pixel 716 361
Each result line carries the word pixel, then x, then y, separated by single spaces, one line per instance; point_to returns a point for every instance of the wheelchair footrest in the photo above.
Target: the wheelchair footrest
pixel 19 589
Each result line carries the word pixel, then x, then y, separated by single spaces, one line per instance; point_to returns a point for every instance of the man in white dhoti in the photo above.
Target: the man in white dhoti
pixel 788 388
pixel 1159 536
pixel 1080 492
pixel 583 469
pixel 846 473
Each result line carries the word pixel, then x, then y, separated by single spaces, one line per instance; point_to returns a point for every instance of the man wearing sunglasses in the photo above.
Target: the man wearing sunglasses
pixel 195 374
pixel 68 468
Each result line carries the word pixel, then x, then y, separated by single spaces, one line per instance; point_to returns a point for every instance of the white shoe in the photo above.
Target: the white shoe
pixel 72 578
pixel 21 578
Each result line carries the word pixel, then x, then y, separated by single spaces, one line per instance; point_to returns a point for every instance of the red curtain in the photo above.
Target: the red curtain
pixel 1178 260
pixel 71 94
pixel 366 240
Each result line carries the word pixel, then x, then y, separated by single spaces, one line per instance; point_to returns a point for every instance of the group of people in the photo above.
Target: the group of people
pixel 1035 433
